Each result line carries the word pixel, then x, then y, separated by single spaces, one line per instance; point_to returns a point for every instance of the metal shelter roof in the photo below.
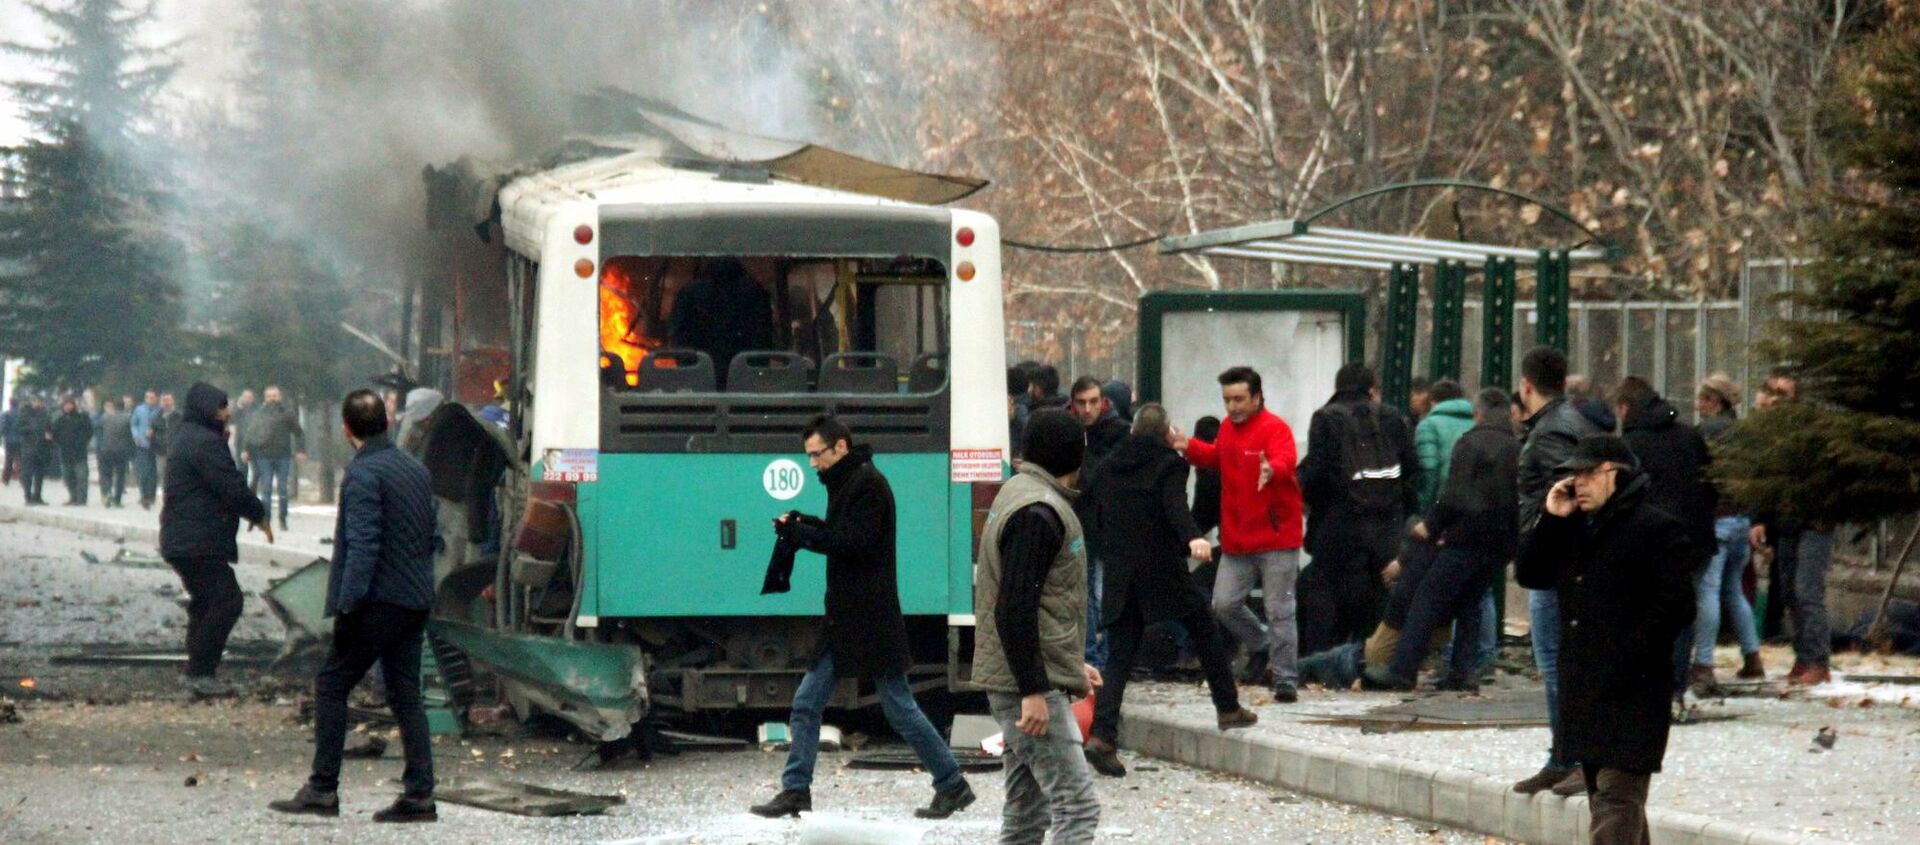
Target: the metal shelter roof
pixel 1297 242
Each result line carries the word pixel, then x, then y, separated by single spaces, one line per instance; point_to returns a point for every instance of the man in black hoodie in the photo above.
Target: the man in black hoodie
pixel 1674 458
pixel 72 431
pixel 866 635
pixel 1476 522
pixel 1136 516
pixel 35 427
pixel 206 498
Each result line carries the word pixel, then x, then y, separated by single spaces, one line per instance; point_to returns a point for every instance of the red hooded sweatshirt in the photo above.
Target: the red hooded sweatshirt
pixel 1254 519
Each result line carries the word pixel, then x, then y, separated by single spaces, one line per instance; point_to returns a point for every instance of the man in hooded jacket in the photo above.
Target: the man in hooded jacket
pixel 1674 458
pixel 1135 505
pixel 206 498
pixel 1619 566
pixel 866 634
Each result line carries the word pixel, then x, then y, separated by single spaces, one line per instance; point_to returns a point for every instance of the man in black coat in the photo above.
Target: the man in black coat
pixel 206 499
pixel 866 634
pixel 1476 522
pixel 72 431
pixel 1622 570
pixel 1674 458
pixel 1088 403
pixel 35 427
pixel 1138 523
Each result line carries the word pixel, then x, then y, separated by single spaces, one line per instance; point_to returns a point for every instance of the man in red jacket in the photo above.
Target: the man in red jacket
pixel 1260 527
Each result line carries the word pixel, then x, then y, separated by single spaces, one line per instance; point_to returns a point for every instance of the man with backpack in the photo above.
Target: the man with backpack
pixel 1359 479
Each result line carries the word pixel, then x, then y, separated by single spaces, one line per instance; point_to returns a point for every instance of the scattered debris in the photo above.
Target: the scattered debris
pixel 525 799
pixel 684 741
pixel 773 736
pixel 128 558
pixel 1448 711
pixel 192 781
pixel 829 738
pixel 903 760
pixel 1826 737
pixel 9 714
pixel 1884 679
pixel 373 748
pixel 825 829
pixel 969 730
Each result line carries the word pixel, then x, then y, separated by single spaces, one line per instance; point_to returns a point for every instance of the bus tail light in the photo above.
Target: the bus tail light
pixel 965 271
pixel 964 237
pixel 583 234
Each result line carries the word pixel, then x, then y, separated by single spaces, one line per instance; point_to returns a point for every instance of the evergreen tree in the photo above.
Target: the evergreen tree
pixel 1850 450
pixel 87 288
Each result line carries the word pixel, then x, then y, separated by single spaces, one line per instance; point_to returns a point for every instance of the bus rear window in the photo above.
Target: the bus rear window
pixel 758 324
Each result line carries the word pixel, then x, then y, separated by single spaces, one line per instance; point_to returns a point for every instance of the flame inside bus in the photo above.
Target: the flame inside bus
pixel 627 286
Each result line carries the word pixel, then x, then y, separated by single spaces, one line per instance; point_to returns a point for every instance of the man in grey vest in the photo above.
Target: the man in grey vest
pixel 1030 600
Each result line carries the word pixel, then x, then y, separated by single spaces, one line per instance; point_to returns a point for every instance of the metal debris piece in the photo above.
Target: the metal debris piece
pixel 1826 737
pixel 1448 711
pixel 969 730
pixel 145 658
pixel 1903 680
pixel 9 714
pixel 896 761
pixel 685 741
pixel 373 749
pixel 525 799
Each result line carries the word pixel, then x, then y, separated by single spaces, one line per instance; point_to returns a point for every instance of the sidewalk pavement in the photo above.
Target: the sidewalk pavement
pixel 310 534
pixel 1748 773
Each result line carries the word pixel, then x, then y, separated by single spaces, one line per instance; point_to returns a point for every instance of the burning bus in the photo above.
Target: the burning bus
pixel 671 310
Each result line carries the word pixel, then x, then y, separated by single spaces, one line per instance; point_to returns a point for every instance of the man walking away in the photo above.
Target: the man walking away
pixel 1142 530
pixel 1476 522
pixel 206 499
pixel 1029 598
pixel 146 459
pixel 10 437
pixel 1358 478
pixel 36 433
pixel 866 635
pixel 1720 584
pixel 1260 530
pixel 1620 568
pixel 115 450
pixel 72 433
pixel 379 593
pixel 1674 460
pixel 1551 430
pixel 273 443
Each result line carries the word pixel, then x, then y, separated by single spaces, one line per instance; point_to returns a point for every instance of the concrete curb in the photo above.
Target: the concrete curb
pixel 1412 789
pixel 250 552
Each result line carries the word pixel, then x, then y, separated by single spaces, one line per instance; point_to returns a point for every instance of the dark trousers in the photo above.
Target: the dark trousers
pixel 113 478
pixel 1786 557
pixel 1617 803
pixel 1448 592
pixel 213 607
pixel 12 470
pixel 74 473
pixel 1123 640
pixel 391 635
pixel 33 475
pixel 146 468
pixel 1341 597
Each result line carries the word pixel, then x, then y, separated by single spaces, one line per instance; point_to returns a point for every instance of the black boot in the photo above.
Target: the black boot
pixel 309 801
pixel 947 802
pixel 409 808
pixel 790 802
pixel 1104 758
pixel 1255 671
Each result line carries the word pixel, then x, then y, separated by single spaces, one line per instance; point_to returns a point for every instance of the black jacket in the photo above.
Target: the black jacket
pixel 1551 434
pixel 1674 459
pixel 1479 508
pixel 72 432
pixel 34 425
pixel 1625 582
pixel 864 625
pixel 1332 521
pixel 1139 527
pixel 273 431
pixel 385 534
pixel 1103 437
pixel 206 495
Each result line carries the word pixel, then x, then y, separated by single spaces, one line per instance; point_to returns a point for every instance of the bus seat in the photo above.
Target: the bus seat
pixel 676 371
pixel 859 372
pixel 761 371
pixel 927 373
pixel 613 370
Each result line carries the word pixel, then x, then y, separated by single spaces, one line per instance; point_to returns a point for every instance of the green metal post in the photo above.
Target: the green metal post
pixel 1496 358
pixel 1396 366
pixel 1552 277
pixel 1449 317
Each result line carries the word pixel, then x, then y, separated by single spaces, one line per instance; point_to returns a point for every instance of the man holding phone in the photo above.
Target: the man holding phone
pixel 1623 572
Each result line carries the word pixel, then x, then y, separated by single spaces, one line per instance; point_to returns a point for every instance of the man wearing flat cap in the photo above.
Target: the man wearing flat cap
pixel 1622 570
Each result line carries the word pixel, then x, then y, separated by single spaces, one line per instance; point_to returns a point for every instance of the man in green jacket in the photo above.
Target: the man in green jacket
pixel 1434 437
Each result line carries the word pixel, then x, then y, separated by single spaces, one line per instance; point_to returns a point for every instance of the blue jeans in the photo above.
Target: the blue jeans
pixel 266 473
pixel 896 701
pixel 146 470
pixel 1543 608
pixel 1718 591
pixel 1096 639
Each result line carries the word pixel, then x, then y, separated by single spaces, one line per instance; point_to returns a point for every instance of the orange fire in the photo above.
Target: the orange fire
pixel 622 289
pixel 29 683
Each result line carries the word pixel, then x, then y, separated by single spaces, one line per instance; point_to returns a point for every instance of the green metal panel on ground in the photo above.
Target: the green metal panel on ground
pixel 660 524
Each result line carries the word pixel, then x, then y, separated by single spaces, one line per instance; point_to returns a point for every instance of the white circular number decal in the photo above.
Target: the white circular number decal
pixel 783 479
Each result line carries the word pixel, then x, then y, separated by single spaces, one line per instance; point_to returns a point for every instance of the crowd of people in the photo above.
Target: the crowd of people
pixel 1380 545
pixel 122 442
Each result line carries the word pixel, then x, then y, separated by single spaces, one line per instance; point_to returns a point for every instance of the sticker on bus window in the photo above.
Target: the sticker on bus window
pixel 571 465
pixel 783 479
pixel 971 465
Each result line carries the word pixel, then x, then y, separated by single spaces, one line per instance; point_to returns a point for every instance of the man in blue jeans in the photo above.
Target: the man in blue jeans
pixel 866 634
pixel 1551 431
